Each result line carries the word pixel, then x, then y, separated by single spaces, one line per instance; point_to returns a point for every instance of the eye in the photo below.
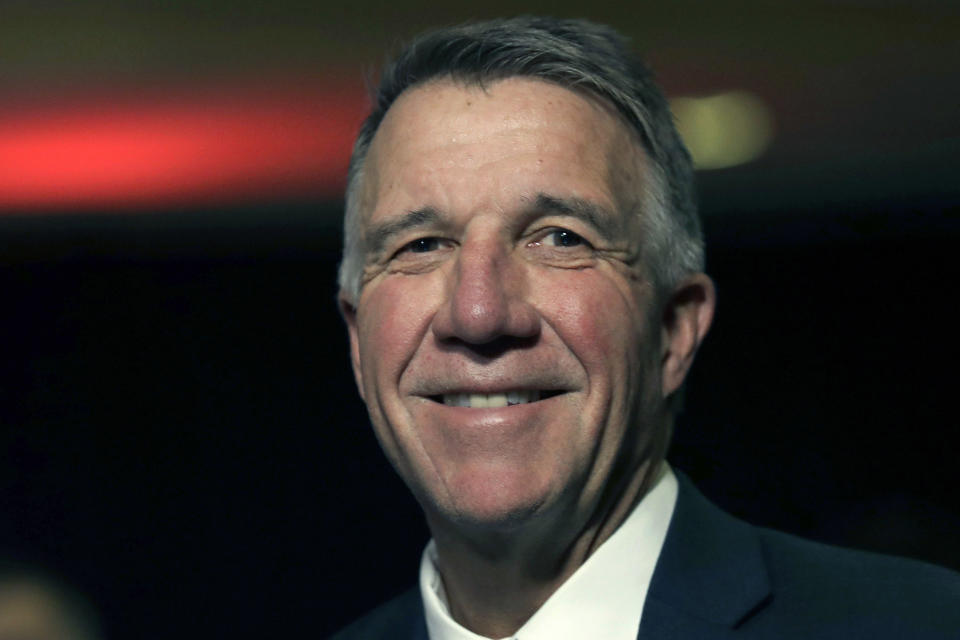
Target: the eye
pixel 421 245
pixel 564 238
pixel 425 248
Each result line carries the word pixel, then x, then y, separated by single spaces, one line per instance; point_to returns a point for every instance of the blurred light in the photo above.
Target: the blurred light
pixel 725 129
pixel 186 149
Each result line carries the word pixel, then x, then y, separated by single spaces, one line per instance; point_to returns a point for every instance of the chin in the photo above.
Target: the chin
pixel 500 516
pixel 494 501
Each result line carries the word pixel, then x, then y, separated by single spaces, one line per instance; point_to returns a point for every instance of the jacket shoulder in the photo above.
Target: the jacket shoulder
pixel 399 618
pixel 716 572
pixel 858 590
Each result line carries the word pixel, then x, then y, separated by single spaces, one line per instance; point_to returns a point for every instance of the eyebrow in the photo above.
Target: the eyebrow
pixel 379 235
pixel 599 217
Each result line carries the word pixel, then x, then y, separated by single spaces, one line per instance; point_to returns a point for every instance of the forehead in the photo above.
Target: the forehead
pixel 509 135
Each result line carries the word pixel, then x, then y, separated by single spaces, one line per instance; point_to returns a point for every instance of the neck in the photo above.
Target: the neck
pixel 495 583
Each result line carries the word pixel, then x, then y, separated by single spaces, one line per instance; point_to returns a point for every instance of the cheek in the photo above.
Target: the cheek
pixel 598 319
pixel 392 321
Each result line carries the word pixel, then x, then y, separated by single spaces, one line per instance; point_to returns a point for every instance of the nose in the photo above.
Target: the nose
pixel 486 298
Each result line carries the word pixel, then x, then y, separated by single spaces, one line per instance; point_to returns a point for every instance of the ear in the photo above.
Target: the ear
pixel 686 319
pixel 349 312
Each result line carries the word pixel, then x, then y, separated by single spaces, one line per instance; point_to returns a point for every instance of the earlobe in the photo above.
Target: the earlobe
pixel 349 312
pixel 686 319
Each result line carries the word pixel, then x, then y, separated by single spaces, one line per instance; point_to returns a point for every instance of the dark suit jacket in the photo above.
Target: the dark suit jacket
pixel 718 577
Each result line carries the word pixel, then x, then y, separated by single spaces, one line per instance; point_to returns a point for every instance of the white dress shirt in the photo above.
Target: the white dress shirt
pixel 602 600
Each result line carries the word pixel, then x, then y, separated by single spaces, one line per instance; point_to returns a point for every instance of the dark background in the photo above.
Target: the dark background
pixel 180 437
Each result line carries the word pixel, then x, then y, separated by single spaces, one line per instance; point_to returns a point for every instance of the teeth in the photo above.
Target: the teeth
pixel 495 400
pixel 489 400
pixel 479 401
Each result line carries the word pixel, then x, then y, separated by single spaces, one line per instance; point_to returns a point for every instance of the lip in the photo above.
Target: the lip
pixel 489 415
pixel 427 389
pixel 497 389
pixel 490 433
pixel 544 394
pixel 512 374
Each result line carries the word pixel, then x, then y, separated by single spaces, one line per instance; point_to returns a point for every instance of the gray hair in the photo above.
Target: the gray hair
pixel 571 53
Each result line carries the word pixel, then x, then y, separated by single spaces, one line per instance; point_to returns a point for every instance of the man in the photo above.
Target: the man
pixel 524 291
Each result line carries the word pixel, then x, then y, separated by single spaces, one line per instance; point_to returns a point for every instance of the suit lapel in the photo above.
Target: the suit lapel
pixel 415 626
pixel 710 575
pixel 419 628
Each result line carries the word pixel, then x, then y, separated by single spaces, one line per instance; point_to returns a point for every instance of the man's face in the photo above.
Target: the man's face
pixel 502 269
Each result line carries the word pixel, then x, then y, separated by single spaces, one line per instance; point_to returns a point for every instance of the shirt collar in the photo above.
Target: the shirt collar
pixel 602 600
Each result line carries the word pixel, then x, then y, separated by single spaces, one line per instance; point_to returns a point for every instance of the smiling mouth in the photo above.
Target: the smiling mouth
pixel 493 400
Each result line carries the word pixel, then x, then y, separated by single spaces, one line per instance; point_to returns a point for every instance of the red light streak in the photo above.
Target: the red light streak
pixel 211 149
